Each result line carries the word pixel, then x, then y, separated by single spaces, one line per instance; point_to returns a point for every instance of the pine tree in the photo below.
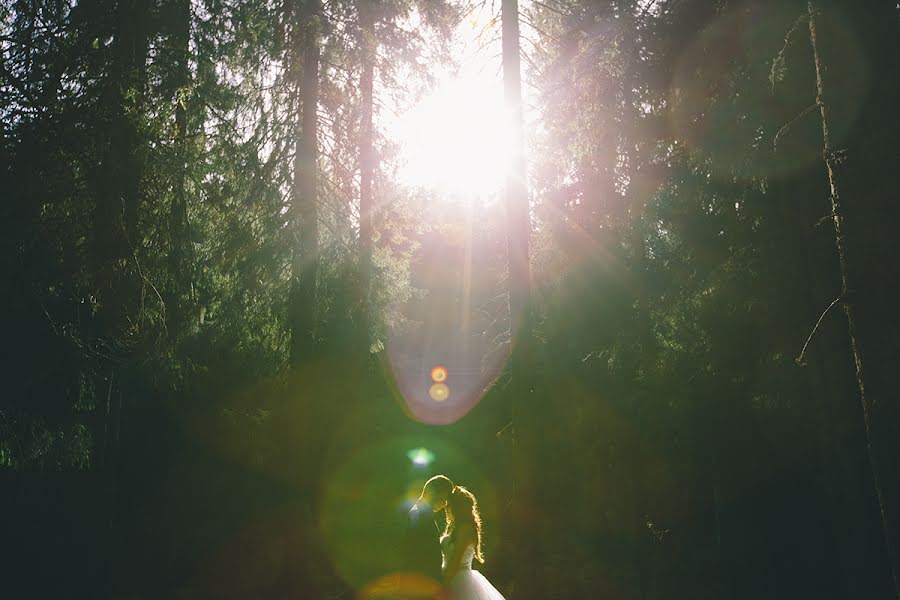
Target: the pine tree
pixel 304 200
pixel 833 159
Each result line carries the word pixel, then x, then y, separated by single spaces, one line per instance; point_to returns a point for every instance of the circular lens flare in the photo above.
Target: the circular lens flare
pixel 439 392
pixel 439 374
pixel 420 457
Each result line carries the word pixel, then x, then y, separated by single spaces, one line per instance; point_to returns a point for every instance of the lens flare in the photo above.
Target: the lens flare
pixel 378 478
pixel 401 585
pixel 420 457
pixel 439 374
pixel 439 392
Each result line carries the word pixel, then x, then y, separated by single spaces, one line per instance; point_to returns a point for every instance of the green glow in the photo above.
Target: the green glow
pixel 420 457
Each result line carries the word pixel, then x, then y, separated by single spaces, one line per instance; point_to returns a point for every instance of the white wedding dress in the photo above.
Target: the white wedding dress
pixel 467 584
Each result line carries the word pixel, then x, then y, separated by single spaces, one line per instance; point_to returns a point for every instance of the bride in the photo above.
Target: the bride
pixel 460 544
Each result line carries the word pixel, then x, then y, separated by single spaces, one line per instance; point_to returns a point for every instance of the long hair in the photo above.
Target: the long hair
pixel 462 508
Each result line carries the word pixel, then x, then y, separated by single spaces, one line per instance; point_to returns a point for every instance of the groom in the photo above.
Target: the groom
pixel 422 548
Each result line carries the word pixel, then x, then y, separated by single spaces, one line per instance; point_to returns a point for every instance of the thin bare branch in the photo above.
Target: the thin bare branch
pixel 801 360
pixel 787 125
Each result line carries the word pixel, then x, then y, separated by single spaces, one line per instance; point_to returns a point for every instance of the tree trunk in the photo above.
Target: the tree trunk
pixel 304 207
pixel 115 222
pixel 523 396
pixel 297 572
pixel 119 176
pixel 517 213
pixel 640 394
pixel 366 152
pixel 833 160
pixel 179 259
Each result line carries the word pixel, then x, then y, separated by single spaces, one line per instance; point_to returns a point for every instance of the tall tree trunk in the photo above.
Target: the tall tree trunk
pixel 119 177
pixel 367 158
pixel 833 162
pixel 180 293
pixel 303 465
pixel 116 229
pixel 523 396
pixel 304 201
pixel 517 214
pixel 179 249
pixel 640 394
pixel 641 185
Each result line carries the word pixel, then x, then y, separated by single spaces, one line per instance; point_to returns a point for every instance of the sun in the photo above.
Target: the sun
pixel 455 140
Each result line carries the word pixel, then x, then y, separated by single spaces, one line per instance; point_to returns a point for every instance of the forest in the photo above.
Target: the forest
pixel 625 269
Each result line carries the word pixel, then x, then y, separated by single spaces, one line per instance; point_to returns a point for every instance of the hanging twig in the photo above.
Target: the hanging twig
pixel 801 360
pixel 787 125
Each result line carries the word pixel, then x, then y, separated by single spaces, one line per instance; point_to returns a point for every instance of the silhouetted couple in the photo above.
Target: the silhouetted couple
pixel 446 556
